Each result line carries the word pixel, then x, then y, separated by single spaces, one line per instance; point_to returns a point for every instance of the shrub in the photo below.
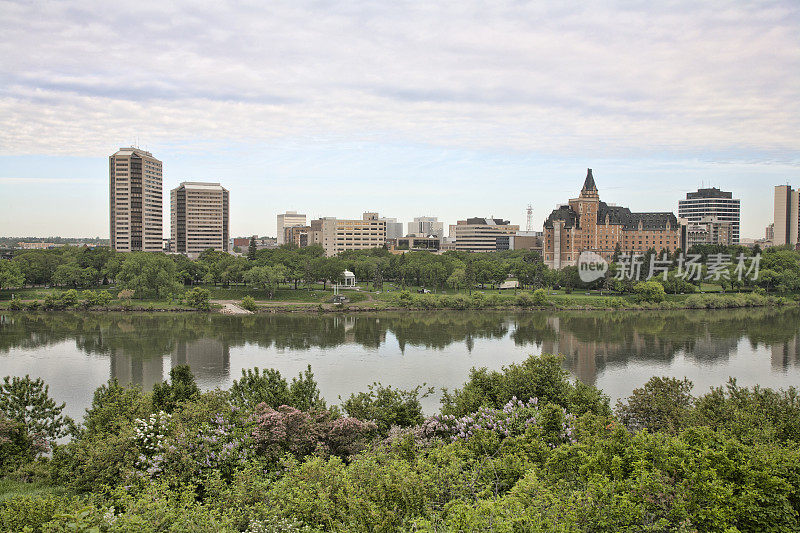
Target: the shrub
pixel 387 407
pixel 30 513
pixel 16 445
pixel 113 408
pixel 70 298
pixel 617 303
pixel 405 298
pixel 256 387
pixel 649 291
pixel 524 300
pixel 95 298
pixel 301 433
pixel 248 303
pixel 662 404
pixel 183 387
pixel 550 422
pixel 125 294
pixel 269 387
pixel 536 377
pixel 198 298
pixel 540 298
pixel 34 305
pixel 53 301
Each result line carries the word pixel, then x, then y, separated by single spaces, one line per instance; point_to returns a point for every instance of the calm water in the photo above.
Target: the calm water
pixel 617 351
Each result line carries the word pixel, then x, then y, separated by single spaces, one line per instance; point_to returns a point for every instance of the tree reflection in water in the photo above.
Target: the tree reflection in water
pixel 137 343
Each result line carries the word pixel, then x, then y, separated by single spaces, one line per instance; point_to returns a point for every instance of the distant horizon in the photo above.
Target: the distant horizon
pixel 448 110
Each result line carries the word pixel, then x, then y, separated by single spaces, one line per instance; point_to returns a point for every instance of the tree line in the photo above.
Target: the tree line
pixel 158 275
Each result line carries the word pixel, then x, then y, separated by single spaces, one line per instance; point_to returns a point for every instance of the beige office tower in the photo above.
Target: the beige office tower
pixel 136 201
pixel 787 218
pixel 289 219
pixel 199 215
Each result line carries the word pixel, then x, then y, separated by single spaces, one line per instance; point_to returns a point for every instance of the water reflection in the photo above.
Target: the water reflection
pixel 140 348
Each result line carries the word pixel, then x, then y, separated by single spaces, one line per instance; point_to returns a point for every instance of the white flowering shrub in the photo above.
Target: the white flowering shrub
pixel 150 435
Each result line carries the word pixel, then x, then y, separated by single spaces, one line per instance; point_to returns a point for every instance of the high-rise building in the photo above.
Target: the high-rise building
pixel 787 221
pixel 337 235
pixel 287 220
pixel 425 227
pixel 587 224
pixel 484 234
pixel 135 193
pixel 199 218
pixel 394 229
pixel 712 203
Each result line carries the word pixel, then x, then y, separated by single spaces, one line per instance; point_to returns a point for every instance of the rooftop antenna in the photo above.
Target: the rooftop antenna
pixel 529 212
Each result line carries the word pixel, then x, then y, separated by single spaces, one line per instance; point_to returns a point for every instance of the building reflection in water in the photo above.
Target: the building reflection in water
pixel 209 358
pixel 136 369
pixel 785 354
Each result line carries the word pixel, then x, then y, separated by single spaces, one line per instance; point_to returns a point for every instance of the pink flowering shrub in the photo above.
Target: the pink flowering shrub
pixel 289 430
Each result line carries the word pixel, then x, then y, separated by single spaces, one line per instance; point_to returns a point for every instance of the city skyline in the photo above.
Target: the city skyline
pixel 446 110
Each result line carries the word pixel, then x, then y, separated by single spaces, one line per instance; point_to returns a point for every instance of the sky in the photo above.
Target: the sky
pixel 450 109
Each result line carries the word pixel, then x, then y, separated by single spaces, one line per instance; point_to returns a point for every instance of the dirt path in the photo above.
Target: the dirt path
pixel 231 308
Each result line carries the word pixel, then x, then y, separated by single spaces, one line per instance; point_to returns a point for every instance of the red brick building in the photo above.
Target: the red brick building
pixel 587 224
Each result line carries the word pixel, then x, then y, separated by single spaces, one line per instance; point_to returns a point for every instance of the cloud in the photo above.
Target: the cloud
pixel 28 181
pixel 681 78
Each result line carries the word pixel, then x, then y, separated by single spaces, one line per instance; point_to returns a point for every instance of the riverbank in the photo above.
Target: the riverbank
pixel 420 302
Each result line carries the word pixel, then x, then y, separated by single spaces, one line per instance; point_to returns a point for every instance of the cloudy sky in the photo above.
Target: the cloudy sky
pixel 455 109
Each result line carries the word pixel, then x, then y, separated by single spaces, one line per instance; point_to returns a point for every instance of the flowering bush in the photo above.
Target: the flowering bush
pixel 150 435
pixel 289 430
pixel 551 422
pixel 219 444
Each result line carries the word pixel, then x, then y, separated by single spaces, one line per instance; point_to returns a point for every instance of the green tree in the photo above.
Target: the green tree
pixel 469 276
pixel 388 407
pixel 457 279
pixel 72 275
pixel 662 404
pixel 251 249
pixel 149 275
pixel 266 277
pixel 255 387
pixel 304 392
pixel 182 387
pixel 10 275
pixel 28 402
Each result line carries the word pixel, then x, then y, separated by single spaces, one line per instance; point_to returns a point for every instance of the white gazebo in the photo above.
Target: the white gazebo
pixel 349 279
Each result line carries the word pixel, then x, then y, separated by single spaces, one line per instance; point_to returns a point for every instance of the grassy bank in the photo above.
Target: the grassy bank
pixel 315 298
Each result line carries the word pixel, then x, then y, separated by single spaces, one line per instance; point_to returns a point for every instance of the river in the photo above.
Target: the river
pixel 75 352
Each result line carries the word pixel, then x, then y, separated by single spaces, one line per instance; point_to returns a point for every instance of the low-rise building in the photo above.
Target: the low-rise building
pixel 527 240
pixel 411 243
pixel 287 220
pixel 709 230
pixel 483 234
pixel 337 235
pixel 425 227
